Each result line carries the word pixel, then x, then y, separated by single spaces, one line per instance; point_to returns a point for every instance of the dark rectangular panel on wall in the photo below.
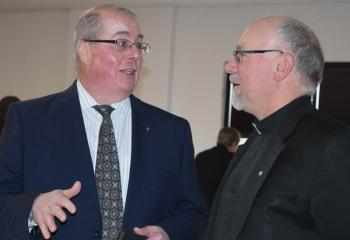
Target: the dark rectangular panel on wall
pixel 334 94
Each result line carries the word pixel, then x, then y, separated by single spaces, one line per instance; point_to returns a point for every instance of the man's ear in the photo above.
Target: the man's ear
pixel 83 51
pixel 284 65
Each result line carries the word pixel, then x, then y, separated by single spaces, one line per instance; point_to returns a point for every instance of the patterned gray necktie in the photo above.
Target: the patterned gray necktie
pixel 107 176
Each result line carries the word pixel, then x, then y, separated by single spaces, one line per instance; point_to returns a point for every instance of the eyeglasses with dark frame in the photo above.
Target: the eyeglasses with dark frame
pixel 238 53
pixel 122 45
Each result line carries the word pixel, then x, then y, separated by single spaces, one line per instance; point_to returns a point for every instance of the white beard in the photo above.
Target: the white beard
pixel 237 100
pixel 237 96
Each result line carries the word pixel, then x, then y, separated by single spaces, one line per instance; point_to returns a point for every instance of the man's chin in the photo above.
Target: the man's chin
pixel 238 107
pixel 237 103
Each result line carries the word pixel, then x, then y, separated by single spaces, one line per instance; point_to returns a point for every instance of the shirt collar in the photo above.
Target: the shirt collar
pixel 273 121
pixel 87 101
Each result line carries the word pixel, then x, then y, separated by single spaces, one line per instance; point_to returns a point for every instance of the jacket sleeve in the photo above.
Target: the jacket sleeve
pixel 330 198
pixel 15 204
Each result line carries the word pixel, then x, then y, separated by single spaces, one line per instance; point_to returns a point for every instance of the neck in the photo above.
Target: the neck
pixel 278 98
pixel 101 93
pixel 275 105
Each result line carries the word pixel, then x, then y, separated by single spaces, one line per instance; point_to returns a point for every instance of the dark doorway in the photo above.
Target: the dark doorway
pixel 334 94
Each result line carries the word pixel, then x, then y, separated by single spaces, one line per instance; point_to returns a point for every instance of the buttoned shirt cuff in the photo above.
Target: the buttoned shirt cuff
pixel 31 222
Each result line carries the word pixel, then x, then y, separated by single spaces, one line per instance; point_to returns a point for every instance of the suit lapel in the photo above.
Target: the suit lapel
pixel 235 160
pixel 237 157
pixel 256 178
pixel 75 142
pixel 211 225
pixel 140 131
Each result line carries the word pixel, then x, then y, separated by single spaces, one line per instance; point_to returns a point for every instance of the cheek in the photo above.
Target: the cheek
pixel 105 61
pixel 140 61
pixel 250 77
pixel 249 86
pixel 110 62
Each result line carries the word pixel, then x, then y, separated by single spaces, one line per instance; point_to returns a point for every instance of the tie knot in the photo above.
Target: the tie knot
pixel 104 110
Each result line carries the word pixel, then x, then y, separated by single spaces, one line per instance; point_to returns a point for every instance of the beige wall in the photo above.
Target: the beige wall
pixel 32 53
pixel 183 74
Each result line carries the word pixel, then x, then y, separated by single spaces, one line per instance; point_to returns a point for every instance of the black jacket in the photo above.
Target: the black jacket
pixel 300 188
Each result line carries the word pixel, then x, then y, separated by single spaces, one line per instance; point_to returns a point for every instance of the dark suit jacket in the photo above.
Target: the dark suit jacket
pixel 44 147
pixel 211 167
pixel 2 124
pixel 300 188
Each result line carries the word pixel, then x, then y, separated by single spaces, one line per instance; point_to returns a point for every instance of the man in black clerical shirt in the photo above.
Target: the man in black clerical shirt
pixel 291 180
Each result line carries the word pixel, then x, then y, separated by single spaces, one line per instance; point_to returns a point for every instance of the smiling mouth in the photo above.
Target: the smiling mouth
pixel 129 72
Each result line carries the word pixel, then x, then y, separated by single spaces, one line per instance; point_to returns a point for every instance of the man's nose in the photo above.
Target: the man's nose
pixel 134 52
pixel 231 66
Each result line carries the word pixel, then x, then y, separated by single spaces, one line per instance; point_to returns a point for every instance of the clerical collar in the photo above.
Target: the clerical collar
pixel 273 121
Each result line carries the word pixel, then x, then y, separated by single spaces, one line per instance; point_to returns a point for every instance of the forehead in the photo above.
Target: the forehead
pixel 259 35
pixel 119 24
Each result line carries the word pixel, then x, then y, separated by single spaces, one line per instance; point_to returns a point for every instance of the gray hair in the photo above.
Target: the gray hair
pixel 309 59
pixel 90 23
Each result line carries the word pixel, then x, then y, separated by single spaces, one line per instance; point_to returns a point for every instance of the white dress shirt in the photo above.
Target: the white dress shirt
pixel 121 118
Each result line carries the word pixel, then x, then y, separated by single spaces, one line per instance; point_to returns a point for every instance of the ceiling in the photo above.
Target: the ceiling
pixel 25 5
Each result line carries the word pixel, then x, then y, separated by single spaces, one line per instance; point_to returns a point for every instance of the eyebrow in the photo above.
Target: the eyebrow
pixel 139 36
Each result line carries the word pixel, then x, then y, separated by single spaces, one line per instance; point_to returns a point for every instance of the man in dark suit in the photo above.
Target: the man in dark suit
pixel 51 149
pixel 212 163
pixel 291 179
